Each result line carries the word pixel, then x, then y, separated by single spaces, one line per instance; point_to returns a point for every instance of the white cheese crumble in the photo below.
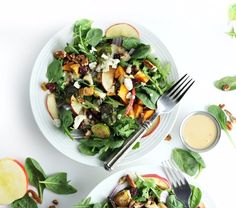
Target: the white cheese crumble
pixel 93 50
pixel 89 79
pixel 143 83
pixel 128 84
pixel 129 95
pixel 78 120
pixel 129 69
pixel 93 65
pixel 108 62
pixel 77 85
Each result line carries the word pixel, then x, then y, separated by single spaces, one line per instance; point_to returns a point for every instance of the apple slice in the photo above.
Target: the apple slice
pixel 75 105
pixel 122 29
pixel 52 106
pixel 13 181
pixel 108 79
pixel 153 127
pixel 161 182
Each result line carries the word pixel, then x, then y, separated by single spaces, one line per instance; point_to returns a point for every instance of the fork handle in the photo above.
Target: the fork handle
pixel 130 142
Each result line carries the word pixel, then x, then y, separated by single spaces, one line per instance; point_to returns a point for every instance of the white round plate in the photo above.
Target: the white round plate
pixel 104 188
pixel 55 136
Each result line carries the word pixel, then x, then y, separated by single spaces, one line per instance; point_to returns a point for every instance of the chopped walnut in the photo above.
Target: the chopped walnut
pixel 226 87
pixel 168 137
pixel 229 125
pixel 221 106
pixel 60 54
pixel 148 64
pixel 55 201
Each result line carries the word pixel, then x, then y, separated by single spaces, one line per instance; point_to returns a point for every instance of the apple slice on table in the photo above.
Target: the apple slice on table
pixel 108 79
pixel 122 29
pixel 161 182
pixel 75 105
pixel 52 106
pixel 13 181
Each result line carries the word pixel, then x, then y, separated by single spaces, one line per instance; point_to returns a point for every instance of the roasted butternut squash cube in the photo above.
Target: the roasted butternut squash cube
pixel 86 91
pixel 141 77
pixel 122 92
pixel 119 72
pixel 138 109
pixel 147 114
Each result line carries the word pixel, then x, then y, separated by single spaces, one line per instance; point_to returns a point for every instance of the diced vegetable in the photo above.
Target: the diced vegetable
pixel 123 198
pixel 138 109
pixel 86 91
pixel 101 130
pixel 122 93
pixel 119 72
pixel 141 77
pixel 147 114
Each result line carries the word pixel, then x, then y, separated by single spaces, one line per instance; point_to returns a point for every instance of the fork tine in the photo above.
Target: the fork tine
pixel 183 93
pixel 177 173
pixel 169 174
pixel 180 89
pixel 170 90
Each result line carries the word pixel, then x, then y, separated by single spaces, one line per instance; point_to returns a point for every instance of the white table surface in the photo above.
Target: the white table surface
pixel 194 33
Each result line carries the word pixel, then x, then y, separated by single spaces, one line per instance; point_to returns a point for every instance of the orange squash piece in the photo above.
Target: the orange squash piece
pixel 131 113
pixel 141 77
pixel 120 72
pixel 139 102
pixel 138 109
pixel 72 67
pixel 123 91
pixel 147 114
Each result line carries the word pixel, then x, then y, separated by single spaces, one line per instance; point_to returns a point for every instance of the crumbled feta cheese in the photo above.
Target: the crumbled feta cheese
pixel 77 85
pixel 98 69
pixel 90 116
pixel 129 95
pixel 104 56
pixel 129 69
pixel 99 101
pixel 163 196
pixel 143 83
pixel 93 50
pixel 128 84
pixel 57 122
pixel 89 79
pixel 131 76
pixel 154 69
pixel 78 120
pixel 93 65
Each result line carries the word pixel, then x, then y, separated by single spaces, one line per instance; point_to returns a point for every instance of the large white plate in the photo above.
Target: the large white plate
pixel 104 188
pixel 55 136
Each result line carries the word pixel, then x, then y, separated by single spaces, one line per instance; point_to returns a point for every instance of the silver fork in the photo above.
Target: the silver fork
pixel 178 182
pixel 164 105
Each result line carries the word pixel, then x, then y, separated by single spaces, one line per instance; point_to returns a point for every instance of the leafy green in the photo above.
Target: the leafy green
pixel 232 33
pixel 145 99
pixel 54 71
pixel 35 174
pixel 94 36
pixel 221 117
pixel 59 184
pixel 88 105
pixel 188 161
pixel 113 102
pixel 129 43
pixel 141 51
pixel 172 202
pixel 24 202
pixel 153 94
pixel 82 25
pixel 125 126
pixel 230 81
pixel 232 12
pixel 86 203
pixel 66 120
pixel 195 197
pixel 136 146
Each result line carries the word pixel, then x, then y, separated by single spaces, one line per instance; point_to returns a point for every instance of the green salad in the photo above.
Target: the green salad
pixel 146 191
pixel 105 85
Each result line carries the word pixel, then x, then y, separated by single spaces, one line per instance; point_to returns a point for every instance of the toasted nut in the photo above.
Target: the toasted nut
pixel 52 206
pixel 86 91
pixel 226 87
pixel 148 64
pixel 221 106
pixel 43 86
pixel 228 113
pixel 130 181
pixel 168 137
pixel 229 125
pixel 123 198
pixel 131 204
pixel 55 201
pixel 60 54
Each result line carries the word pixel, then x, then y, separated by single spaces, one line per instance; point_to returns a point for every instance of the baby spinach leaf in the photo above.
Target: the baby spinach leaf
pixel 113 102
pixel 219 115
pixel 129 43
pixel 24 202
pixel 153 94
pixel 83 24
pixel 172 202
pixel 195 197
pixel 185 161
pixel 86 150
pixel 66 120
pixel 94 36
pixel 145 99
pixel 59 184
pixel 35 174
pixel 198 158
pixel 229 81
pixel 141 52
pixel 232 12
pixel 54 72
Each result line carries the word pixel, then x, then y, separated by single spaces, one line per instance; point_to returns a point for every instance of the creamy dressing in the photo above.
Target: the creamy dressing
pixel 199 131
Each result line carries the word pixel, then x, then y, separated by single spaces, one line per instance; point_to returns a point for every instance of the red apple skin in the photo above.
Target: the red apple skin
pixel 23 168
pixel 73 99
pixel 153 127
pixel 46 103
pixel 158 177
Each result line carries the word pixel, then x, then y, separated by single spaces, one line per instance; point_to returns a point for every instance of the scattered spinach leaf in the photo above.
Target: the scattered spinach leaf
pixel 136 146
pixel 24 202
pixel 172 202
pixel 229 81
pixel 129 43
pixel 195 197
pixel 59 184
pixel 153 94
pixel 141 51
pixel 35 174
pixel 54 71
